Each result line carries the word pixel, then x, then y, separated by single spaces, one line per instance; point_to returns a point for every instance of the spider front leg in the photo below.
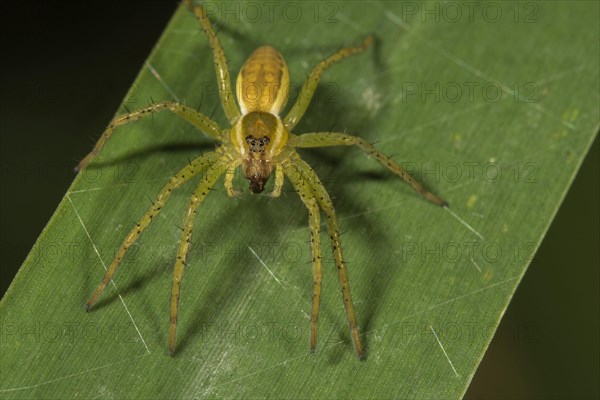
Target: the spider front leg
pixel 324 201
pixel 204 187
pixel 311 83
pixel 220 61
pixel 314 223
pixel 194 168
pixel 192 116
pixel 322 139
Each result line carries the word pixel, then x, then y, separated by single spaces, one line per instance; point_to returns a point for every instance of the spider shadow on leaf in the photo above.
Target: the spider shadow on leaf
pixel 140 280
pixel 142 154
pixel 237 267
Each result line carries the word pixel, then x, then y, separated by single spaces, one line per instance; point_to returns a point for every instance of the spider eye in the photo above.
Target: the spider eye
pixel 257 145
pixel 251 141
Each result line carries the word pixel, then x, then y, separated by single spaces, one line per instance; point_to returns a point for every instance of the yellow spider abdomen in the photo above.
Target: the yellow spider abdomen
pixel 263 82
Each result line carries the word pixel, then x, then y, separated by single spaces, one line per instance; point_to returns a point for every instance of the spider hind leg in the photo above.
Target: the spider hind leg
pixel 204 187
pixel 303 177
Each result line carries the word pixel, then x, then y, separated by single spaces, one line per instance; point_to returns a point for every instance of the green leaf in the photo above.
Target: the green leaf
pixel 492 105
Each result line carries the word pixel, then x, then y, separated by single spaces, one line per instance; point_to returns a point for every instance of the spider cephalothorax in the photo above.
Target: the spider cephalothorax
pixel 259 137
pixel 259 141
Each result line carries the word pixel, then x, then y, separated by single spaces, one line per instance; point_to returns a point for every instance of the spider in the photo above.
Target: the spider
pixel 261 142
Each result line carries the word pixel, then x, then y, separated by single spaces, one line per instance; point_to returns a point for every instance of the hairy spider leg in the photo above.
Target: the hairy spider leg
pixel 323 139
pixel 196 118
pixel 197 166
pixel 314 223
pixel 204 187
pixel 320 194
pixel 220 61
pixel 312 81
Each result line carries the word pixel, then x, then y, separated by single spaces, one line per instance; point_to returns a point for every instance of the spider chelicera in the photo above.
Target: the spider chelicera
pixel 261 143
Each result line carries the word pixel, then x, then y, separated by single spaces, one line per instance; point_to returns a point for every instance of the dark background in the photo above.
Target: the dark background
pixel 67 66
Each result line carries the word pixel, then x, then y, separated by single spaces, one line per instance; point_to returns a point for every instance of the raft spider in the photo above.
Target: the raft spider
pixel 260 142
